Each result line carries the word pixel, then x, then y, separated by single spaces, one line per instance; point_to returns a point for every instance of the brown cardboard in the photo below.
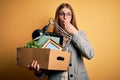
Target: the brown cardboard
pixel 47 58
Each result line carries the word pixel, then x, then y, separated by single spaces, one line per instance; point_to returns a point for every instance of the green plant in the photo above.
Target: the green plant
pixel 32 44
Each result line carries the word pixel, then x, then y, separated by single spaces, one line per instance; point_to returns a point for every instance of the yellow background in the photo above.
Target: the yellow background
pixel 99 18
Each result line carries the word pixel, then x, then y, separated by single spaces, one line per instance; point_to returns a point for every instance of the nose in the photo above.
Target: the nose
pixel 65 16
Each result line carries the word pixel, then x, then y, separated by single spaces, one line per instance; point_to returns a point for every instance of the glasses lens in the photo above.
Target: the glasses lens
pixel 65 14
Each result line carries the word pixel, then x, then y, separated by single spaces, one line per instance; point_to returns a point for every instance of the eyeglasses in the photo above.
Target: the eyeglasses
pixel 65 14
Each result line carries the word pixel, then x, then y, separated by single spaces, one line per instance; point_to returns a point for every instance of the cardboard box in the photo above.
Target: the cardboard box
pixel 48 59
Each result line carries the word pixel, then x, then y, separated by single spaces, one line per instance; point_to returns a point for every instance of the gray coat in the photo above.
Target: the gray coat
pixel 79 47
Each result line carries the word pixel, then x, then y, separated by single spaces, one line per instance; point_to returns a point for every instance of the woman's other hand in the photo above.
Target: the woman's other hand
pixel 34 66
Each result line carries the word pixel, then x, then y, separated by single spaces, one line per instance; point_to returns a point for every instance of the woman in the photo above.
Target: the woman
pixel 79 47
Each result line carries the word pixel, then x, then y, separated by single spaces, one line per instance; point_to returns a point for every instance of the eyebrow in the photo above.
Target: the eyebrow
pixel 64 12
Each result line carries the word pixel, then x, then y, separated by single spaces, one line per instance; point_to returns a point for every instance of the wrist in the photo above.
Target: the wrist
pixel 75 32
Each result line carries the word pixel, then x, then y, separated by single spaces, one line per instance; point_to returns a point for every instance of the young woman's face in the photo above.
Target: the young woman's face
pixel 65 14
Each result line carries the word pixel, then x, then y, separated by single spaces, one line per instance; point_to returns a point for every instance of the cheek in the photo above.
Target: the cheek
pixel 61 18
pixel 68 19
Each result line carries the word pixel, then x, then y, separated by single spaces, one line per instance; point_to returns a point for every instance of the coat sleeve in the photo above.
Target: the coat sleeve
pixel 42 74
pixel 81 41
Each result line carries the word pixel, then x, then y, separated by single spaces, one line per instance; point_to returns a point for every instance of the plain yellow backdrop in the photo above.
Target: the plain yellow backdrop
pixel 100 19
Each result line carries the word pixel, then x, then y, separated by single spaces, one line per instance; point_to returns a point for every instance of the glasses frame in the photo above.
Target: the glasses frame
pixel 65 14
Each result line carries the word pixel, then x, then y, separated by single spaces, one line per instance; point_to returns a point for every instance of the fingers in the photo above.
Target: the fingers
pixel 38 67
pixel 34 66
pixel 70 28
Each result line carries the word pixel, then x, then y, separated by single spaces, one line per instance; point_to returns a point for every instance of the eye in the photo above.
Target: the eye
pixel 62 14
pixel 65 14
pixel 69 14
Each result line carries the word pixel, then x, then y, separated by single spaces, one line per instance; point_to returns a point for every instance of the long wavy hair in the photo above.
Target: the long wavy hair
pixel 73 20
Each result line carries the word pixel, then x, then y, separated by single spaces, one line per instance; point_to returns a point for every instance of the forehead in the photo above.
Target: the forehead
pixel 65 10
